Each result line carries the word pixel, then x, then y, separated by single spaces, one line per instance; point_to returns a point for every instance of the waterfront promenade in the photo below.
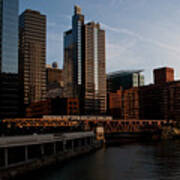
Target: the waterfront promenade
pixel 21 154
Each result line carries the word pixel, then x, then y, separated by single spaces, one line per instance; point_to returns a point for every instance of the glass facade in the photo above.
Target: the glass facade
pixel 96 78
pixel 77 24
pixel 9 36
pixel 79 56
pixel 67 40
pixel 135 80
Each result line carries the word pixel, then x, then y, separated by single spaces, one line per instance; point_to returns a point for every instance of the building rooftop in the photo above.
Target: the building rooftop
pixel 123 73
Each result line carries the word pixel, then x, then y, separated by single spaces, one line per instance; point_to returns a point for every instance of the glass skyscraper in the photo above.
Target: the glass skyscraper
pixel 84 64
pixel 9 78
pixel 9 36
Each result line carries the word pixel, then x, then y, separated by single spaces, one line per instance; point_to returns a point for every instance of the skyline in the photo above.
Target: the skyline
pixel 145 36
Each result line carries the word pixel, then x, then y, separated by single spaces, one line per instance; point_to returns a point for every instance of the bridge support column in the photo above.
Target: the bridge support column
pixel 54 146
pixel 72 145
pixel 26 153
pixel 86 142
pixel 91 140
pixel 64 146
pixel 79 143
pixel 6 157
pixel 42 150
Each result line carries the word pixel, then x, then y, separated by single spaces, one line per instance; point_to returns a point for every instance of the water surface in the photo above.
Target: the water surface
pixel 147 161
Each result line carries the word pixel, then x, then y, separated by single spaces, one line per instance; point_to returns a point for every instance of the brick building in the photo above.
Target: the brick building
pixel 124 104
pixel 162 99
pixel 130 103
pixel 114 104
pixel 57 106
pixel 159 101
pixel 163 75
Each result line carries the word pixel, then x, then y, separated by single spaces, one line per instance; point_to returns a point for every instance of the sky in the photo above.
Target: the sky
pixel 140 34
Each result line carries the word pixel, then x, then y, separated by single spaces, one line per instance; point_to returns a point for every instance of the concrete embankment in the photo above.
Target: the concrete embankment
pixel 21 155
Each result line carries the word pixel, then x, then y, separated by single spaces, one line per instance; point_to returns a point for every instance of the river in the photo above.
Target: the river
pixel 138 161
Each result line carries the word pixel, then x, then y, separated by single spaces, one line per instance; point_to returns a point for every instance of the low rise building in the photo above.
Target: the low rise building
pixel 56 106
pixel 125 80
pixel 158 101
pixel 163 75
pixel 124 104
pixel 55 83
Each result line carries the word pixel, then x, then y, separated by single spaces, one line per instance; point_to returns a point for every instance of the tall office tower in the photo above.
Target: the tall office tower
pixel 68 65
pixel 73 55
pixel 9 36
pixel 84 64
pixel 9 87
pixel 95 69
pixel 32 55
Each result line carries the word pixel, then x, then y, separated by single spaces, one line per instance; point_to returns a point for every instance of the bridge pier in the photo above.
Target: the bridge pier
pixel 54 147
pixel 26 153
pixel 79 143
pixel 72 144
pixel 42 149
pixel 64 146
pixel 6 157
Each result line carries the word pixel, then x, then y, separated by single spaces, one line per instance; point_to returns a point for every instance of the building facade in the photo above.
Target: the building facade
pixel 124 104
pixel 9 36
pixel 124 79
pixel 54 74
pixel 158 101
pixel 55 106
pixel 161 99
pixel 32 55
pixel 9 79
pixel 84 64
pixel 94 69
pixel 163 75
pixel 55 82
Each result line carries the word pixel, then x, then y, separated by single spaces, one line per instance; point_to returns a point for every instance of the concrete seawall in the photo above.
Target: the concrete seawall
pixel 20 155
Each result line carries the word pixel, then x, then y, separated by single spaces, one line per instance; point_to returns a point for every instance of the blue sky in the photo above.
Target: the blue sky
pixel 140 34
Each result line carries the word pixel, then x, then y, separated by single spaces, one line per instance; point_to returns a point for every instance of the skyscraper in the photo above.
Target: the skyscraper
pixel 95 69
pixel 9 81
pixel 84 64
pixel 32 55
pixel 9 36
pixel 73 55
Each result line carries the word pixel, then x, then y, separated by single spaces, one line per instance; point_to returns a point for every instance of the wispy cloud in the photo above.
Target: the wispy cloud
pixel 65 16
pixel 115 50
pixel 142 38
pixel 116 2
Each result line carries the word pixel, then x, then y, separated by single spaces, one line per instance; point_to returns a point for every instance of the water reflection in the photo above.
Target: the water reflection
pixel 148 161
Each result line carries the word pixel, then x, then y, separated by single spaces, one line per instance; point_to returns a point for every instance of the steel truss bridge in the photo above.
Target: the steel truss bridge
pixel 54 124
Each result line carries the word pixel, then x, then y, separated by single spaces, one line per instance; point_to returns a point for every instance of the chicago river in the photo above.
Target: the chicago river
pixel 146 161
